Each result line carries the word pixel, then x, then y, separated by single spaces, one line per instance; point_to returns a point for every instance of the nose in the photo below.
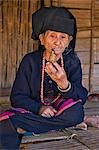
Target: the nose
pixel 57 41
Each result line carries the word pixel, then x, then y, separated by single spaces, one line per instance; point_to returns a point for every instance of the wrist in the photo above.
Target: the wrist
pixel 66 89
pixel 64 85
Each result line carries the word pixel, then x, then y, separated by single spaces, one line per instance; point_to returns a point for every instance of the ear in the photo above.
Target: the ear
pixel 41 38
pixel 70 38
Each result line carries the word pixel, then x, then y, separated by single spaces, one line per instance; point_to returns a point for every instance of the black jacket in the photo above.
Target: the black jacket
pixel 26 88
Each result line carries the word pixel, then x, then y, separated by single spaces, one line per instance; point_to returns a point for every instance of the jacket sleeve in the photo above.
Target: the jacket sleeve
pixel 77 91
pixel 20 94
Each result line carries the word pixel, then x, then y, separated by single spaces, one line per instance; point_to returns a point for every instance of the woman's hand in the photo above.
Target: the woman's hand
pixel 47 111
pixel 57 73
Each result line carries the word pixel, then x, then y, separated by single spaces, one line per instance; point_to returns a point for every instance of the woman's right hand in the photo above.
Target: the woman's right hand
pixel 47 111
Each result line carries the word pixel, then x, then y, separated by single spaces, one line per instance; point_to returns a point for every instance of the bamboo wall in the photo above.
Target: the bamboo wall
pixel 15 37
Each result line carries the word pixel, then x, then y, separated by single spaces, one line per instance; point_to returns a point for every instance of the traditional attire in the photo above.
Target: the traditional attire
pixel 26 99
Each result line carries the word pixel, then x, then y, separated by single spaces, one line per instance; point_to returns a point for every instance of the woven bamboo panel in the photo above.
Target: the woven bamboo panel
pixel 1 43
pixel 47 3
pixel 95 88
pixel 96 57
pixel 95 32
pixel 15 36
pixel 96 70
pixel 96 4
pixel 16 28
pixel 83 51
pixel 85 4
pixel 85 81
pixel 83 34
pixel 85 69
pixel 96 17
pixel 83 41
pixel 95 50
pixel 95 80
pixel 84 57
pixel 96 13
pixel 95 77
pixel 83 44
pixel 55 3
pixel 95 60
pixel 95 84
pixel 83 17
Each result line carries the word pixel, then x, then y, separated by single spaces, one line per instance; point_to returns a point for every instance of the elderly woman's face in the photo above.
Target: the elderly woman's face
pixel 55 40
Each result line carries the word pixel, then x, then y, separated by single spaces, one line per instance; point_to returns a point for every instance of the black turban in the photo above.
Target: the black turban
pixel 52 18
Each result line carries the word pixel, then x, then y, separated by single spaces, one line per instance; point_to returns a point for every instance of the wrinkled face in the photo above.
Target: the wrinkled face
pixel 55 40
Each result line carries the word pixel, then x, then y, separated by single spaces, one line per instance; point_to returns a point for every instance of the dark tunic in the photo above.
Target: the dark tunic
pixel 26 89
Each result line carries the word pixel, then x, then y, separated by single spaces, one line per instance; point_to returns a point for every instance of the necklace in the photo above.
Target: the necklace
pixel 42 82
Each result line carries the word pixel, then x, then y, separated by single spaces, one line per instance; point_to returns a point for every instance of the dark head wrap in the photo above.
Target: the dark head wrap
pixel 52 18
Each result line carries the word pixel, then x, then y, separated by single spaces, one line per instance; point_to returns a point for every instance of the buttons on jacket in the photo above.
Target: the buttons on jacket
pixel 50 81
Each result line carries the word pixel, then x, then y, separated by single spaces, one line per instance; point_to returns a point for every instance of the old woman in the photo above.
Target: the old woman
pixel 47 93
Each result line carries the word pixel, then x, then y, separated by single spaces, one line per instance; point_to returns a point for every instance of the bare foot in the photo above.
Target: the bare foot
pixel 93 97
pixel 92 121
pixel 82 126
pixel 20 130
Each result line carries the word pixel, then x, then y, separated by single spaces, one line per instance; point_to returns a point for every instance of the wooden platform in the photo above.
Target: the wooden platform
pixel 68 139
pixel 82 140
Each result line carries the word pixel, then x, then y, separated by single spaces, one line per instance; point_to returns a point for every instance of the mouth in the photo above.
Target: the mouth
pixel 57 50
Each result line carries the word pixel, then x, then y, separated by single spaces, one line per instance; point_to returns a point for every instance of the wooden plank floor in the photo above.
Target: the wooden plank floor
pixel 61 140
pixel 83 140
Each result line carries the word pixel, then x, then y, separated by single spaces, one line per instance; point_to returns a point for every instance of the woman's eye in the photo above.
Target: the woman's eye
pixel 63 37
pixel 52 36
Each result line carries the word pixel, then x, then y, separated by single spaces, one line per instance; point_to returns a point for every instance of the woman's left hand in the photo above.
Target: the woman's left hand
pixel 47 111
pixel 57 74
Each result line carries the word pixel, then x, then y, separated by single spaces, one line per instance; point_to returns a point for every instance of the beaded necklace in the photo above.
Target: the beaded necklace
pixel 42 85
